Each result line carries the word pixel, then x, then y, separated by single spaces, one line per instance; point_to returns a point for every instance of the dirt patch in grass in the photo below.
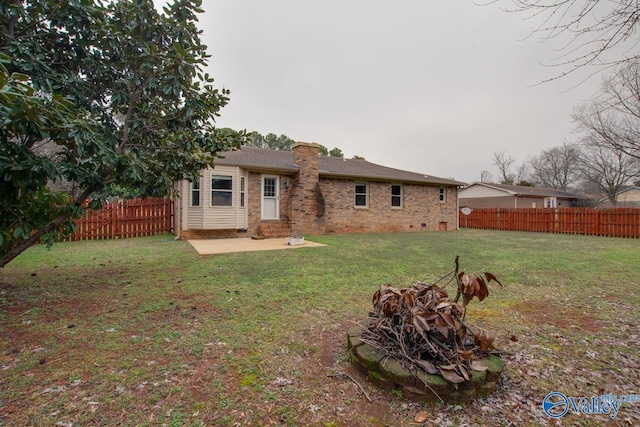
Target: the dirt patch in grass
pixel 561 316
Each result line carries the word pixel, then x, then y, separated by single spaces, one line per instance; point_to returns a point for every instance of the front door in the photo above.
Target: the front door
pixel 270 205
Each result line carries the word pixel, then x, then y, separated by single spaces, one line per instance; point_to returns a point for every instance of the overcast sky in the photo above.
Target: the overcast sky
pixel 434 86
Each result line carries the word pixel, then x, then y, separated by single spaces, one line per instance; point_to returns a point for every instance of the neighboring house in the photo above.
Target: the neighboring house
pixel 488 195
pixel 254 191
pixel 628 197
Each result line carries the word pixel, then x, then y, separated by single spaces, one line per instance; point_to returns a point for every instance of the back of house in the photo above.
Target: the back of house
pixel 271 193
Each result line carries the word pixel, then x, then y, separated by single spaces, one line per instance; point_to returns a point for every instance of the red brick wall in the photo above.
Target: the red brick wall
pixel 307 203
pixel 281 228
pixel 421 208
pixel 313 205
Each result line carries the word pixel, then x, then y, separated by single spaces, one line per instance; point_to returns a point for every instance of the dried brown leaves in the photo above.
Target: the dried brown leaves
pixel 470 285
pixel 422 327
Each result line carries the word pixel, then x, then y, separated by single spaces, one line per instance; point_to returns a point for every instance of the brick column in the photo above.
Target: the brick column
pixel 307 203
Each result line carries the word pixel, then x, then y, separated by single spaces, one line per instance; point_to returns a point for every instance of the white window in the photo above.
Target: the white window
pixel 361 194
pixel 242 192
pixel 270 198
pixel 396 196
pixel 195 193
pixel 442 194
pixel 221 190
pixel 550 202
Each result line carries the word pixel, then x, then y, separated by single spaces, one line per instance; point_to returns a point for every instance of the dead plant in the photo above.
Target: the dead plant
pixel 425 330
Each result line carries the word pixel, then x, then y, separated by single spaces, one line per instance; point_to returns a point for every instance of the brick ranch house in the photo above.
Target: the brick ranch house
pixel 254 191
pixel 483 195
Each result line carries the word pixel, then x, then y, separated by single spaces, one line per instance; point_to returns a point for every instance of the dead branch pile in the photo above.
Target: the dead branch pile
pixel 424 329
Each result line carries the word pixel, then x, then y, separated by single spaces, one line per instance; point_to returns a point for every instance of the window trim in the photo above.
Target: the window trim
pixel 242 192
pixel 550 202
pixel 193 190
pixel 442 194
pixel 399 196
pixel 365 194
pixel 218 190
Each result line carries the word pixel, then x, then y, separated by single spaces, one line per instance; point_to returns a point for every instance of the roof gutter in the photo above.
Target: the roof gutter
pixel 457 209
pixel 343 175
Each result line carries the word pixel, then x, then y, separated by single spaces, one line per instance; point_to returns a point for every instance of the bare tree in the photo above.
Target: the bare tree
pixel 609 170
pixel 614 117
pixel 588 29
pixel 504 163
pixel 556 168
pixel 485 176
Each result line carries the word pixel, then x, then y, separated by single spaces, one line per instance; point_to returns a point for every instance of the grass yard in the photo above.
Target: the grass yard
pixel 147 332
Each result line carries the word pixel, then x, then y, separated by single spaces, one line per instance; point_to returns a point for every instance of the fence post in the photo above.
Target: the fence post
pixel 114 219
pixel 616 222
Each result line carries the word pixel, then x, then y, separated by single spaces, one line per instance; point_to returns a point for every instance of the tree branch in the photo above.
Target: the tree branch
pixel 35 237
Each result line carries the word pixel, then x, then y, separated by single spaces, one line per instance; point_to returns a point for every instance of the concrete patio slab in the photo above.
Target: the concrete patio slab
pixel 244 244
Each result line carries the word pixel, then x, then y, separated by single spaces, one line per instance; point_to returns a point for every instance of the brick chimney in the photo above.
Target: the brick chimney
pixel 307 203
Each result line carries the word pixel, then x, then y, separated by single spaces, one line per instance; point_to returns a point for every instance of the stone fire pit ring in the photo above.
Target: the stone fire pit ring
pixel 389 372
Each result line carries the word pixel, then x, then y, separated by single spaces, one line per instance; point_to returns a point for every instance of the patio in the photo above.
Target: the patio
pixel 244 244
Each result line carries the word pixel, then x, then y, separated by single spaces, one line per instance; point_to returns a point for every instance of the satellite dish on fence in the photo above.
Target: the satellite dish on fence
pixel 466 210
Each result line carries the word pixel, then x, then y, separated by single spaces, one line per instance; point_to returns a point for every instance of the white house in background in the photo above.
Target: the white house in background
pixel 489 195
pixel 628 197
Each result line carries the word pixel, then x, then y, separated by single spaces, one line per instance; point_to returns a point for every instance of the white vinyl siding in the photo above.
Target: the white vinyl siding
pixel 192 214
pixel 477 191
pixel 195 193
pixel 211 217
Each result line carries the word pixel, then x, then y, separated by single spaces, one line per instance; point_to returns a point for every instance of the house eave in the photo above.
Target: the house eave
pixel 262 168
pixel 445 183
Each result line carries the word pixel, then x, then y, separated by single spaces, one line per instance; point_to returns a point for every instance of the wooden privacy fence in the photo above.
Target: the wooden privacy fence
pixel 126 218
pixel 620 222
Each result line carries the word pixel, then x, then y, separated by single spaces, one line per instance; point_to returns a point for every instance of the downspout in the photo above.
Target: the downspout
pixel 515 201
pixel 457 208
pixel 177 203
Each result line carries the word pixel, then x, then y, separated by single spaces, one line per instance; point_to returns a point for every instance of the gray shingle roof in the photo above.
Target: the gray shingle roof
pixel 532 191
pixel 259 159
pixel 253 158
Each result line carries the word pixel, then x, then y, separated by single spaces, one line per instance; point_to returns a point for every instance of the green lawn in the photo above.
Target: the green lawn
pixel 147 332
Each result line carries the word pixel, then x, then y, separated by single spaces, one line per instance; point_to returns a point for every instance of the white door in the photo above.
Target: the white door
pixel 270 196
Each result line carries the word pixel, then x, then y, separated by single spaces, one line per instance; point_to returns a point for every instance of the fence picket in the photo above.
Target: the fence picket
pixel 615 222
pixel 126 218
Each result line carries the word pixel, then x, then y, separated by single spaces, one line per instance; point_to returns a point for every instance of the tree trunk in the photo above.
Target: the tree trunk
pixel 35 237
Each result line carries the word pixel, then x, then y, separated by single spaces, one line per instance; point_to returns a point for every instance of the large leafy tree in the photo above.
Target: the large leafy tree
pixel 98 95
pixel 270 141
pixel 284 143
